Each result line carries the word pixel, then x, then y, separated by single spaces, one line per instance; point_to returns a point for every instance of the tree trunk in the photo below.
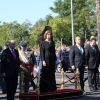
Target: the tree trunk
pixel 98 20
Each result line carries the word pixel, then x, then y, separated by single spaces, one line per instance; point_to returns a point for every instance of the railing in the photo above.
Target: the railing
pixel 75 77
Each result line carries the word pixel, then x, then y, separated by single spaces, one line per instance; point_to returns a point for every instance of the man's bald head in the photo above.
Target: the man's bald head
pixel 12 44
pixel 11 41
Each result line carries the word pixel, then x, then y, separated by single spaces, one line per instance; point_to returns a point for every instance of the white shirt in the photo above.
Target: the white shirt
pixel 13 51
pixel 80 48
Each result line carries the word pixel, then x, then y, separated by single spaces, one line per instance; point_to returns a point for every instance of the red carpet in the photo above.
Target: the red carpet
pixel 58 94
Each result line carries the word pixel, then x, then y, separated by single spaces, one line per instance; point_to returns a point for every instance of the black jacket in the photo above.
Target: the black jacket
pixel 76 58
pixel 0 62
pixel 92 58
pixel 9 65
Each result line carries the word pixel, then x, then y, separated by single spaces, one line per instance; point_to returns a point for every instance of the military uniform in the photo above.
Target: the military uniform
pixel 27 62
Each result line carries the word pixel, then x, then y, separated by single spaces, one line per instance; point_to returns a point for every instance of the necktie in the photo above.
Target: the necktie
pixel 94 49
pixel 13 53
pixel 80 48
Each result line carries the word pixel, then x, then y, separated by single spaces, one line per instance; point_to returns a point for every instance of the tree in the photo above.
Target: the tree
pixel 3 34
pixel 84 14
pixel 61 28
pixel 19 32
pixel 98 20
pixel 36 31
pixel 48 18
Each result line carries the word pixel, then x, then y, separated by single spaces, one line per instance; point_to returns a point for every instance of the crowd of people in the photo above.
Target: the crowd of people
pixel 87 56
pixel 13 62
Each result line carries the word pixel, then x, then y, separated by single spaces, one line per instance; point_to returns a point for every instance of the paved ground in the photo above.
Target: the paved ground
pixel 87 96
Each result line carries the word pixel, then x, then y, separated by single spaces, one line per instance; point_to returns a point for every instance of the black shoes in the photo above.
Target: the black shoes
pixel 95 88
pixel 4 91
pixel 92 89
pixel 98 86
pixel 86 78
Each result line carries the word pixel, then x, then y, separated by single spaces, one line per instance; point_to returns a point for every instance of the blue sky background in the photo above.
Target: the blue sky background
pixel 22 10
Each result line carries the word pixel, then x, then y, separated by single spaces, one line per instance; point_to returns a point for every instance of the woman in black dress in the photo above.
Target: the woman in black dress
pixel 48 58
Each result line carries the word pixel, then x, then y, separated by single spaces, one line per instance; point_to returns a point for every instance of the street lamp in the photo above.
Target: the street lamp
pixel 72 21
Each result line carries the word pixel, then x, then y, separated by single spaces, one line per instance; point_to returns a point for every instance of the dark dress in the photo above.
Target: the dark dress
pixel 48 72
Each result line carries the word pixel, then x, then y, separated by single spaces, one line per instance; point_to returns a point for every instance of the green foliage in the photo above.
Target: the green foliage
pixel 61 28
pixel 3 34
pixel 83 11
pixel 19 32
pixel 14 30
pixel 36 31
pixel 84 22
pixel 48 18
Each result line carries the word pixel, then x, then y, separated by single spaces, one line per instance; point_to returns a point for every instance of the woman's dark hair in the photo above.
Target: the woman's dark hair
pixel 41 38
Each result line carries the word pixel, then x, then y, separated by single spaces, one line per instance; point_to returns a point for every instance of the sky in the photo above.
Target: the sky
pixel 22 10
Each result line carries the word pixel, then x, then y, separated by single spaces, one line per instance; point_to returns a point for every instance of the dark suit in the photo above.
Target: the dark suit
pixel 92 61
pixel 63 57
pixel 2 83
pixel 10 67
pixel 78 60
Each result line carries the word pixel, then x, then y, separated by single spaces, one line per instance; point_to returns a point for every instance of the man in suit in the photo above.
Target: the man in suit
pixel 2 83
pixel 10 69
pixel 86 45
pixel 77 59
pixel 92 62
pixel 63 56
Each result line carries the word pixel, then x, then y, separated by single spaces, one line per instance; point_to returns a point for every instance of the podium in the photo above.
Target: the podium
pixel 60 93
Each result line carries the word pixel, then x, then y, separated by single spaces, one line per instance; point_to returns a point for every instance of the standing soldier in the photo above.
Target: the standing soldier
pixel 27 61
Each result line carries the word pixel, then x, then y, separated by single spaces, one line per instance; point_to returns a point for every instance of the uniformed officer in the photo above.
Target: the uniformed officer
pixel 27 62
